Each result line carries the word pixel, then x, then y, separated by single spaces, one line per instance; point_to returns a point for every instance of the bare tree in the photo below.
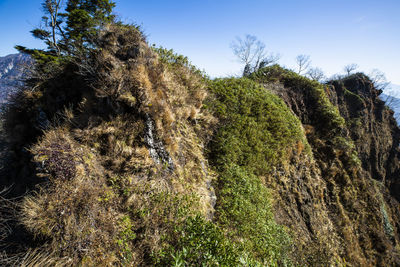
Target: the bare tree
pixel 315 74
pixel 350 68
pixel 52 7
pixel 52 21
pixel 303 63
pixel 379 80
pixel 252 53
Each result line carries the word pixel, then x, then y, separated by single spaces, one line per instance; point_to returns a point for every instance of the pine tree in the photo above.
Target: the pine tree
pixel 70 33
pixel 84 19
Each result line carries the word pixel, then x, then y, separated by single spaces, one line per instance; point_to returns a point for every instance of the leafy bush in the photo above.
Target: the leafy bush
pixel 256 132
pixel 197 242
pixel 256 126
pixel 174 60
pixel 245 210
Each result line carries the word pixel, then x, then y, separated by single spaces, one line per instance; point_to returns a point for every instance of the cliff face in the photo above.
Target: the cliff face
pixel 373 128
pixel 131 156
pixel 345 199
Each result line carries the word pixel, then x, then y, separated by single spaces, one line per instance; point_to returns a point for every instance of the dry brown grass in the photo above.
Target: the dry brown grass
pixel 107 200
pixel 71 211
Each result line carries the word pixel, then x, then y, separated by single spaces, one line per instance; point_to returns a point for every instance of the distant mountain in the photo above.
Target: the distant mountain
pixel 393 101
pixel 12 69
pixel 391 96
pixel 395 88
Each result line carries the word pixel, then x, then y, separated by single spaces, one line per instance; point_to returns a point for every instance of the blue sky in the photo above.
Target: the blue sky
pixel 333 32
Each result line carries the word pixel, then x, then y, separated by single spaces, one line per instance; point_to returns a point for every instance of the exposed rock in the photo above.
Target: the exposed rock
pixel 156 148
pixel 332 202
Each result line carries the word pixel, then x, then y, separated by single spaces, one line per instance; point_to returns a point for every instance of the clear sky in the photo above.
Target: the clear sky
pixel 333 32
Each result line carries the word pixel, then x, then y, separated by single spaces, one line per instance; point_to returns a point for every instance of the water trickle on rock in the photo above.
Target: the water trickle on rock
pixel 156 147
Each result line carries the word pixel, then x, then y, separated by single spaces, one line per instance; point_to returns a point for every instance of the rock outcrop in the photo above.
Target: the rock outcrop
pixel 344 201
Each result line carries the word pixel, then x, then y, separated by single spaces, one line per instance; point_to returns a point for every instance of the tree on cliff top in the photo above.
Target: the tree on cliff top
pixel 251 52
pixel 303 63
pixel 72 32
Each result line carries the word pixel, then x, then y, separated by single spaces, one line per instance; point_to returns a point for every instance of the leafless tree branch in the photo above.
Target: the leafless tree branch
pixel 252 53
pixel 303 63
pixel 315 74
pixel 350 68
pixel 379 80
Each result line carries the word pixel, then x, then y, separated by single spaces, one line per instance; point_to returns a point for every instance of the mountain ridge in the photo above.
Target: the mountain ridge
pixel 12 71
pixel 132 156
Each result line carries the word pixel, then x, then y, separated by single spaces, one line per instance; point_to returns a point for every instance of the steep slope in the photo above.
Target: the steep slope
pixel 120 161
pixel 372 127
pixel 341 199
pixel 132 156
pixel 116 164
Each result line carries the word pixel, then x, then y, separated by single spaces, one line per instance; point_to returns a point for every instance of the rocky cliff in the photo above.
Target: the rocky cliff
pixel 345 198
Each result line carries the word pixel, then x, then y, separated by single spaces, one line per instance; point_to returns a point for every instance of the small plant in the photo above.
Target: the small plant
pixel 125 236
pixel 197 242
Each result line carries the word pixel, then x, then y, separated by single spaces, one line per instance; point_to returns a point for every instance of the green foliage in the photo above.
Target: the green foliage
pixel 125 236
pixel 256 132
pixel 256 126
pixel 324 115
pixel 354 97
pixel 245 211
pixel 197 242
pixel 83 19
pixel 72 32
pixel 174 60
pixel 330 118
pixel 327 115
pixel 41 57
pixel 355 103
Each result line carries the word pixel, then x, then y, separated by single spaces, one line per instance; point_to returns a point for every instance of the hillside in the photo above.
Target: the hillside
pixel 12 68
pixel 131 156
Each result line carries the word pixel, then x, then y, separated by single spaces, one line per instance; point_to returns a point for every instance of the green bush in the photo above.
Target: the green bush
pixel 256 126
pixel 255 133
pixel 197 242
pixel 174 60
pixel 245 211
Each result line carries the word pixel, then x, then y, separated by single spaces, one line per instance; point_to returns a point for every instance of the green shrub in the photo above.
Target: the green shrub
pixel 256 126
pixel 174 60
pixel 197 242
pixel 256 132
pixel 125 236
pixel 245 210
pixel 354 98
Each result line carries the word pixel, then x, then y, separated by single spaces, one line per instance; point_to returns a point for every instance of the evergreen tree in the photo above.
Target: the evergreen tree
pixel 72 32
pixel 83 19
